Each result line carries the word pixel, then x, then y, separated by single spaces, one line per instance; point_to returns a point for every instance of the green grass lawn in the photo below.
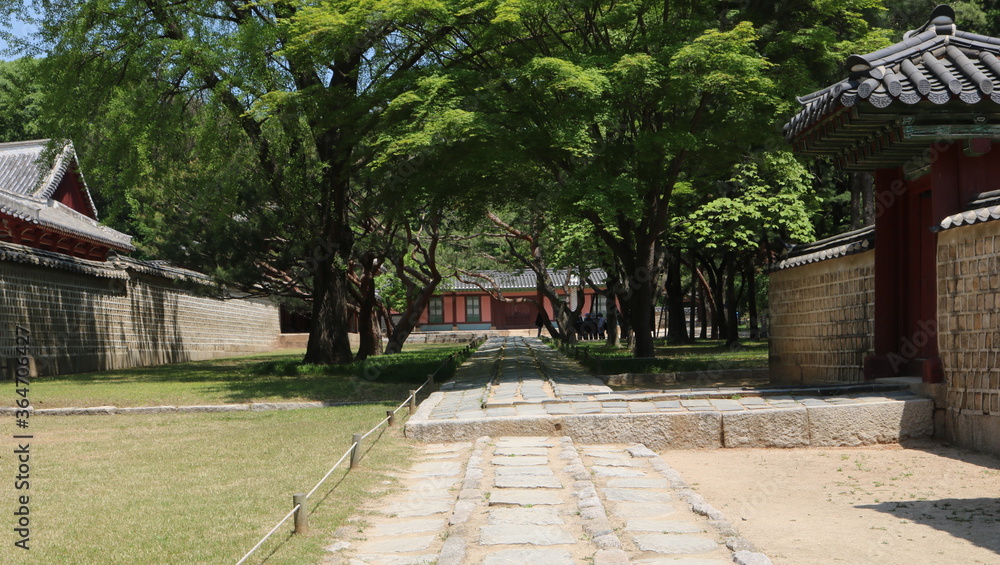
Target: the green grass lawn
pixel 275 377
pixel 191 488
pixel 701 356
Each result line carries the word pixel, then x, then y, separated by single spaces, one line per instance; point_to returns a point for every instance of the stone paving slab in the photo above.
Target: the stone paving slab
pixel 523 497
pixel 408 527
pixel 525 556
pixel 527 481
pixel 672 544
pixel 363 559
pixel 539 516
pixel 508 534
pixel 530 470
pixel 663 526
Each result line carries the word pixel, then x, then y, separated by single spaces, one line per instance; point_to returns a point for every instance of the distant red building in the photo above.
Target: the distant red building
pixel 483 302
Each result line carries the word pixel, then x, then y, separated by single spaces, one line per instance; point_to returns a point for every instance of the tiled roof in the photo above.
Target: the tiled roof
pixel 848 243
pixel 161 269
pixel 23 169
pixel 27 184
pixel 984 208
pixel 57 217
pixel 872 112
pixel 116 267
pixel 32 256
pixel 517 280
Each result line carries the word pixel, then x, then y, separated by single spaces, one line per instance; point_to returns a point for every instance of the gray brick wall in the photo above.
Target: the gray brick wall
pixel 85 323
pixel 821 320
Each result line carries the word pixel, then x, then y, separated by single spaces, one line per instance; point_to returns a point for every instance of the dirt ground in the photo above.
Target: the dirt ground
pixel 925 503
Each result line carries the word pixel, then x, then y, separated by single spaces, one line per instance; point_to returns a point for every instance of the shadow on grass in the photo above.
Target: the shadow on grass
pixel 284 376
pixel 699 356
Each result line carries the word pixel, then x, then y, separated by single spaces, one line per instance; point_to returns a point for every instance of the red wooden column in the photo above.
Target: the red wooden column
pixel 889 188
pixel 947 198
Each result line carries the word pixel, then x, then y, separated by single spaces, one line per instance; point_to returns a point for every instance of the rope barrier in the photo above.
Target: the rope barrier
pixel 347 453
pixel 400 407
pixel 274 529
pixel 332 469
pixel 377 426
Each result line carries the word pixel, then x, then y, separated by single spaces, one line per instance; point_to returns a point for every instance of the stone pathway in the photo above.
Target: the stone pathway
pixel 540 500
pixel 571 478
pixel 518 385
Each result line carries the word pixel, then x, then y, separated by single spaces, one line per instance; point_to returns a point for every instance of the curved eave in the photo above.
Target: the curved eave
pixel 937 76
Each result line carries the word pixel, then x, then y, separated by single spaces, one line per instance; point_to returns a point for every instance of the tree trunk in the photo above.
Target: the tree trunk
pixel 369 328
pixel 643 283
pixel 622 294
pixel 641 319
pixel 677 332
pixel 614 338
pixel 329 343
pixel 716 279
pixel 751 283
pixel 702 312
pixel 732 330
pixel 411 316
pixel 694 301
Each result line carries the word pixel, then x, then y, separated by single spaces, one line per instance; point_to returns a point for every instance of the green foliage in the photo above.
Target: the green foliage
pixel 766 198
pixel 19 100
pixel 248 140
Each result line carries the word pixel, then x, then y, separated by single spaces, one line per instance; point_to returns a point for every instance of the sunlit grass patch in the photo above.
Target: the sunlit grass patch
pixel 193 488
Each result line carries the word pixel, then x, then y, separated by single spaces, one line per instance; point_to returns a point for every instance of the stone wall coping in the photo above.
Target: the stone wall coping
pixel 974 216
pixel 847 243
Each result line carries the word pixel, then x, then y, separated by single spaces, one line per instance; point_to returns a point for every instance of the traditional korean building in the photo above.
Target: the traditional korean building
pixel 65 278
pixel 45 204
pixel 917 294
pixel 495 300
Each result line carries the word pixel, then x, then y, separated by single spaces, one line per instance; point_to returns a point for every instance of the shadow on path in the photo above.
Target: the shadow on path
pixel 976 520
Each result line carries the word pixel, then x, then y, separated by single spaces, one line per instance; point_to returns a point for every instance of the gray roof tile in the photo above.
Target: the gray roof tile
pixel 517 280
pixel 27 184
pixel 933 66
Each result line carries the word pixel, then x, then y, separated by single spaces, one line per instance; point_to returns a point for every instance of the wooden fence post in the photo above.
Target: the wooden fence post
pixel 356 452
pixel 413 401
pixel 391 416
pixel 301 515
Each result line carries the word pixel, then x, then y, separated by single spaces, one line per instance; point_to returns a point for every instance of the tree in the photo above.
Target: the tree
pixel 233 131
pixel 767 200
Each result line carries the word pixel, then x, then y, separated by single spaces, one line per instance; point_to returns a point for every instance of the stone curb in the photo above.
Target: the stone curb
pixel 744 552
pixel 114 410
pixel 868 423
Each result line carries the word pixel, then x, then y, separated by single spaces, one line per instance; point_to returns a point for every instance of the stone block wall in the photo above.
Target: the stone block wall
pixel 80 322
pixel 822 319
pixel 969 332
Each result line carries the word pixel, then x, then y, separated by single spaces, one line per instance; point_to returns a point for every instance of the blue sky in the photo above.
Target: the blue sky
pixel 18 29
